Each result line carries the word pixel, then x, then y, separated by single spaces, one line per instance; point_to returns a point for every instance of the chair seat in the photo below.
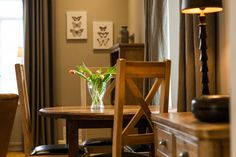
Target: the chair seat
pixel 106 141
pixel 139 148
pixel 124 154
pixel 59 149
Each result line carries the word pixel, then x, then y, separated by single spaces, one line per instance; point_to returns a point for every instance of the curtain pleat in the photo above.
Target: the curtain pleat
pixel 156 30
pixel 38 20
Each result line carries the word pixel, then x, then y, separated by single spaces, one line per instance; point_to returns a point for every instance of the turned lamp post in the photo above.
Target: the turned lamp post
pixel 202 7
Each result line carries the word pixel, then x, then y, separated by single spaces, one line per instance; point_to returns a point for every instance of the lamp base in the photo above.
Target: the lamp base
pixel 211 108
pixel 203 55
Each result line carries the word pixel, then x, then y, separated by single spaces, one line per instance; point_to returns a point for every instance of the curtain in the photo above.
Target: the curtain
pixel 38 17
pixel 156 30
pixel 156 36
pixel 189 63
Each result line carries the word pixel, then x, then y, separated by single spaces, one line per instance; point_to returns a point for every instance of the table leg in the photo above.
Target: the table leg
pixel 72 137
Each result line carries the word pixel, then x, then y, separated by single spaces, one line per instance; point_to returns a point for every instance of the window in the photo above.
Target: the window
pixel 11 37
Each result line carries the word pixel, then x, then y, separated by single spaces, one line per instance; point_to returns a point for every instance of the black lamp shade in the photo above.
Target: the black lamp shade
pixel 201 6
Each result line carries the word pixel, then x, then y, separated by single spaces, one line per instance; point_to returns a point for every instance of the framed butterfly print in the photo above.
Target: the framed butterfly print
pixel 76 25
pixel 102 35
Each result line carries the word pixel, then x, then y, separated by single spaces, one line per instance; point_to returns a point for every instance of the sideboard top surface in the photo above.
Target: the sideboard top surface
pixel 187 123
pixel 129 46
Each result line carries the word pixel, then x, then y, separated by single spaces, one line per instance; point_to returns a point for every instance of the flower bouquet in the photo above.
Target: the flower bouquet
pixel 96 82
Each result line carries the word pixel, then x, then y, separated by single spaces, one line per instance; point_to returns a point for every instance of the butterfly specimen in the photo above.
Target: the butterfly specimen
pixel 103 34
pixel 76 24
pixel 102 28
pixel 103 42
pixel 76 32
pixel 76 18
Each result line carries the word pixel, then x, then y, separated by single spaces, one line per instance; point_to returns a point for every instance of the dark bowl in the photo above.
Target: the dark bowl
pixel 211 108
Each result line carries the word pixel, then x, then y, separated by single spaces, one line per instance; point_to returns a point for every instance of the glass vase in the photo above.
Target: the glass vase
pixel 97 91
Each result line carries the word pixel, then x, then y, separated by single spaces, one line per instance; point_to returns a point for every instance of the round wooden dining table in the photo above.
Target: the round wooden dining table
pixel 78 117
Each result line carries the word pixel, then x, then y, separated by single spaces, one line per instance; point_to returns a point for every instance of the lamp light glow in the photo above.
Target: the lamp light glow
pixel 199 6
pixel 20 52
pixel 198 10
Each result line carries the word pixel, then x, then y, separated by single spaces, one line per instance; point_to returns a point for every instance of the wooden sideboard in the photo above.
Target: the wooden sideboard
pixel 133 52
pixel 181 135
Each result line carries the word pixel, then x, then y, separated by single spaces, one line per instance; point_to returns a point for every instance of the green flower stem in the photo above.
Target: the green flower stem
pixel 97 91
pixel 96 83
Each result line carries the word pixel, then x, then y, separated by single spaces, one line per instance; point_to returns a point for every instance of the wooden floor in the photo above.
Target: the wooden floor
pixel 15 154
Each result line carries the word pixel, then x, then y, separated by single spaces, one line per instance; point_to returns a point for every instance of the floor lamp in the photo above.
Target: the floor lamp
pixel 207 108
pixel 202 7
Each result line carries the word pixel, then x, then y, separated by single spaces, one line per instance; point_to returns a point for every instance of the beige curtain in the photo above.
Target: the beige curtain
pixel 189 63
pixel 38 18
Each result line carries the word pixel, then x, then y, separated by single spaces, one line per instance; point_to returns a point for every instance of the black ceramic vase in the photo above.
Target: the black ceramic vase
pixel 211 108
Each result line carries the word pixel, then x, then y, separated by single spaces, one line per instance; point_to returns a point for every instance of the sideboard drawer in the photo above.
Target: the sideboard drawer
pixel 164 143
pixel 185 136
pixel 185 148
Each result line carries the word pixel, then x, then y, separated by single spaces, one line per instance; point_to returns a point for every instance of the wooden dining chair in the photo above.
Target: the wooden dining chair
pixel 127 71
pixel 98 144
pixel 59 150
pixel 8 106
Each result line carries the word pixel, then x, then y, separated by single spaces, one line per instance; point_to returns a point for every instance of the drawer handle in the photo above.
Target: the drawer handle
pixel 183 154
pixel 162 142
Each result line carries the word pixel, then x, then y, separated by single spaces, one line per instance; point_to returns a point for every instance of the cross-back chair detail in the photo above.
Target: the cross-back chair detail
pixel 24 102
pixel 126 72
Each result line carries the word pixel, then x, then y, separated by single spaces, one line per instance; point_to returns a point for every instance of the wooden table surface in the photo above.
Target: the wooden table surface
pixel 86 113
pixel 83 117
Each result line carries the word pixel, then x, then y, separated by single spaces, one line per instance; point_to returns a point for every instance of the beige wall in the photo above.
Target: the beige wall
pixel 136 19
pixel 69 53
pixel 223 67
pixel 227 64
pixel 231 31
pixel 229 36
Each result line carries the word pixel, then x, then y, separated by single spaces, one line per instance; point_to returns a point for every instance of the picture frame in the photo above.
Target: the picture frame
pixel 102 34
pixel 76 24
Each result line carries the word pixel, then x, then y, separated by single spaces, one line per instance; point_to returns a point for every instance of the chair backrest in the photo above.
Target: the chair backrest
pixel 8 105
pixel 25 110
pixel 126 72
pixel 84 92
